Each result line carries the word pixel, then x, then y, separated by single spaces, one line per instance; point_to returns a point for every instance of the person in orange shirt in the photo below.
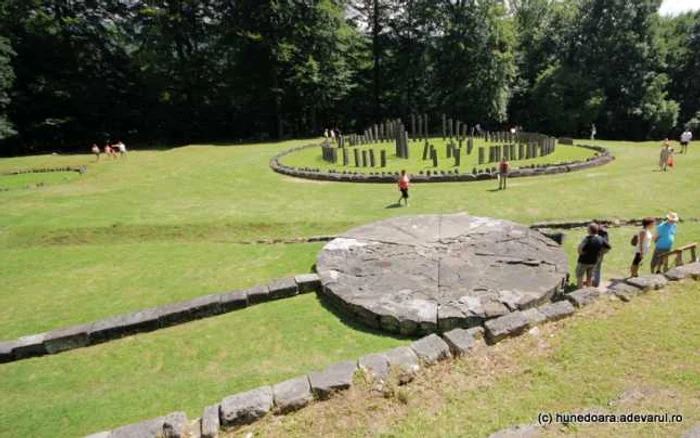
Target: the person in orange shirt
pixel 503 170
pixel 404 183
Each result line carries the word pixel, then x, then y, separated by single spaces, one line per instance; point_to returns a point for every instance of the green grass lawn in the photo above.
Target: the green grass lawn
pixel 166 225
pixel 36 180
pixel 181 368
pixel 311 157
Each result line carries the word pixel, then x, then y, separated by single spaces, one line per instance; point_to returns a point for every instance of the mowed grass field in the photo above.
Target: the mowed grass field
pixel 167 225
pixel 311 157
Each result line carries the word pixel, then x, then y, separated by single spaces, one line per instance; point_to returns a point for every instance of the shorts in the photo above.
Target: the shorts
pixel 656 257
pixel 404 193
pixel 583 269
pixel 637 259
pixel 684 143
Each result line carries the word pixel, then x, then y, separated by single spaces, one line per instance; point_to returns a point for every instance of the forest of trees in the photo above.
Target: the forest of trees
pixel 151 72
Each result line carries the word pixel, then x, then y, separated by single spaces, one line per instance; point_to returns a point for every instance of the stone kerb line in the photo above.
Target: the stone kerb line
pixel 401 363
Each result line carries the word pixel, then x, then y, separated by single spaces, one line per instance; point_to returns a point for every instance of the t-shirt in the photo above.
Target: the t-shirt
pixel 403 182
pixel 592 247
pixel 504 167
pixel 687 136
pixel 666 232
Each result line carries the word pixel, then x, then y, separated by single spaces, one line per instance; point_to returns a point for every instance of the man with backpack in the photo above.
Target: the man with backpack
pixel 598 270
pixel 590 250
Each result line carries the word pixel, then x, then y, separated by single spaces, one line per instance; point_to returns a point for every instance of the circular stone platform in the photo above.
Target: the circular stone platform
pixel 420 274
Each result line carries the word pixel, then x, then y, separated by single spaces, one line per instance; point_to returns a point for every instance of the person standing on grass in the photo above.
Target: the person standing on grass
pixel 686 137
pixel 642 245
pixel 96 151
pixel 594 131
pixel 598 271
pixel 122 148
pixel 589 250
pixel 404 183
pixel 664 238
pixel 503 169
pixel 665 155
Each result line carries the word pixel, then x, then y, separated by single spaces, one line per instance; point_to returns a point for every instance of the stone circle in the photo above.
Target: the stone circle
pixel 427 273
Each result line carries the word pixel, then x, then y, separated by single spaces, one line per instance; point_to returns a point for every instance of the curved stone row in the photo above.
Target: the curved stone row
pixel 602 157
pixel 147 320
pixel 401 364
pixel 79 169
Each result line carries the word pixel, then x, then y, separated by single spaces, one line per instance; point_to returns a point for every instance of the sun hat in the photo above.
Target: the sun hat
pixel 672 217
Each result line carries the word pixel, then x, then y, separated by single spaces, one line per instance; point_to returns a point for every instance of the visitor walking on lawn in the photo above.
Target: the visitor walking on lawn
pixel 503 169
pixel 589 251
pixel 404 183
pixel 665 236
pixel 665 156
pixel 598 271
pixel 686 137
pixel 642 245
pixel 96 151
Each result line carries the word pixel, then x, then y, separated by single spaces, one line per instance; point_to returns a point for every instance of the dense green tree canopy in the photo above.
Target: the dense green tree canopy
pixel 147 71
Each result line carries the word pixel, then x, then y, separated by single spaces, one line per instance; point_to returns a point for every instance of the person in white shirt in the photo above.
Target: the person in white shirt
pixel 122 149
pixel 642 244
pixel 685 140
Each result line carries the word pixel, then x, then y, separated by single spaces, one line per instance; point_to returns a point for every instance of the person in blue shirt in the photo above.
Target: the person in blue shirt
pixel 665 235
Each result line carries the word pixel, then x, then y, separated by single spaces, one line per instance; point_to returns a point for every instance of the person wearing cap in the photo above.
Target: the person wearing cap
pixel 665 235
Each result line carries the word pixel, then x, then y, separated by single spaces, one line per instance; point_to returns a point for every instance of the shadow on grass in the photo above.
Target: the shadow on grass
pixel 393 205
pixel 353 323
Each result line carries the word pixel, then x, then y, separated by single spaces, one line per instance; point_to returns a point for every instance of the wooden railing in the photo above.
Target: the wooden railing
pixel 678 253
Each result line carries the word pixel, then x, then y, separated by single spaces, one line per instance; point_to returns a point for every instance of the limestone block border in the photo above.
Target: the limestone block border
pixel 147 320
pixel 294 394
pixel 603 156
pixel 79 169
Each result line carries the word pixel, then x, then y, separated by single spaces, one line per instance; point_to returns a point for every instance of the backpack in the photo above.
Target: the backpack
pixel 635 240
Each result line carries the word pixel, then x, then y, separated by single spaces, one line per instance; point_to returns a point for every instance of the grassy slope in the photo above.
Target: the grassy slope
pixel 182 368
pixel 311 157
pixel 169 218
pixel 640 357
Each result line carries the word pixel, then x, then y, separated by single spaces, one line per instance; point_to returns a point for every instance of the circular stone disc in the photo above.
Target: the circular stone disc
pixel 419 274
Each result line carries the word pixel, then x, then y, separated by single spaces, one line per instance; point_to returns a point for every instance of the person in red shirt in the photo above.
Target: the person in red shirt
pixel 503 169
pixel 404 183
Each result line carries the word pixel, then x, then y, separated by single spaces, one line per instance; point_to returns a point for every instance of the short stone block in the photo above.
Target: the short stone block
pixel 282 288
pixel 175 425
pixel 29 346
pixel 622 289
pixel 557 311
pixel 258 294
pixel 648 282
pixel 498 329
pixel 534 317
pixel 376 365
pixel 144 429
pixel 292 395
pixel 403 359
pixel 583 297
pixel 6 348
pixel 204 307
pixel 233 300
pixel 67 338
pixel 431 349
pixel 308 283
pixel 334 378
pixel 246 407
pixel 210 424
pixel 691 270
pixel 460 341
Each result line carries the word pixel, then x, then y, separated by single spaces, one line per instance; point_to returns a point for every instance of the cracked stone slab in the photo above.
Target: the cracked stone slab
pixel 648 282
pixel 556 311
pixel 145 429
pixel 210 424
pixel 460 341
pixel 512 324
pixel 583 297
pixel 691 270
pixel 292 395
pixel 417 274
pixel 375 364
pixel 246 407
pixel 534 317
pixel 175 425
pixel 336 377
pixel 403 359
pixel 431 349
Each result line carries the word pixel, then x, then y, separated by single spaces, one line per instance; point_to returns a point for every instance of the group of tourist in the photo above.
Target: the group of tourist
pixel 596 244
pixel 113 151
